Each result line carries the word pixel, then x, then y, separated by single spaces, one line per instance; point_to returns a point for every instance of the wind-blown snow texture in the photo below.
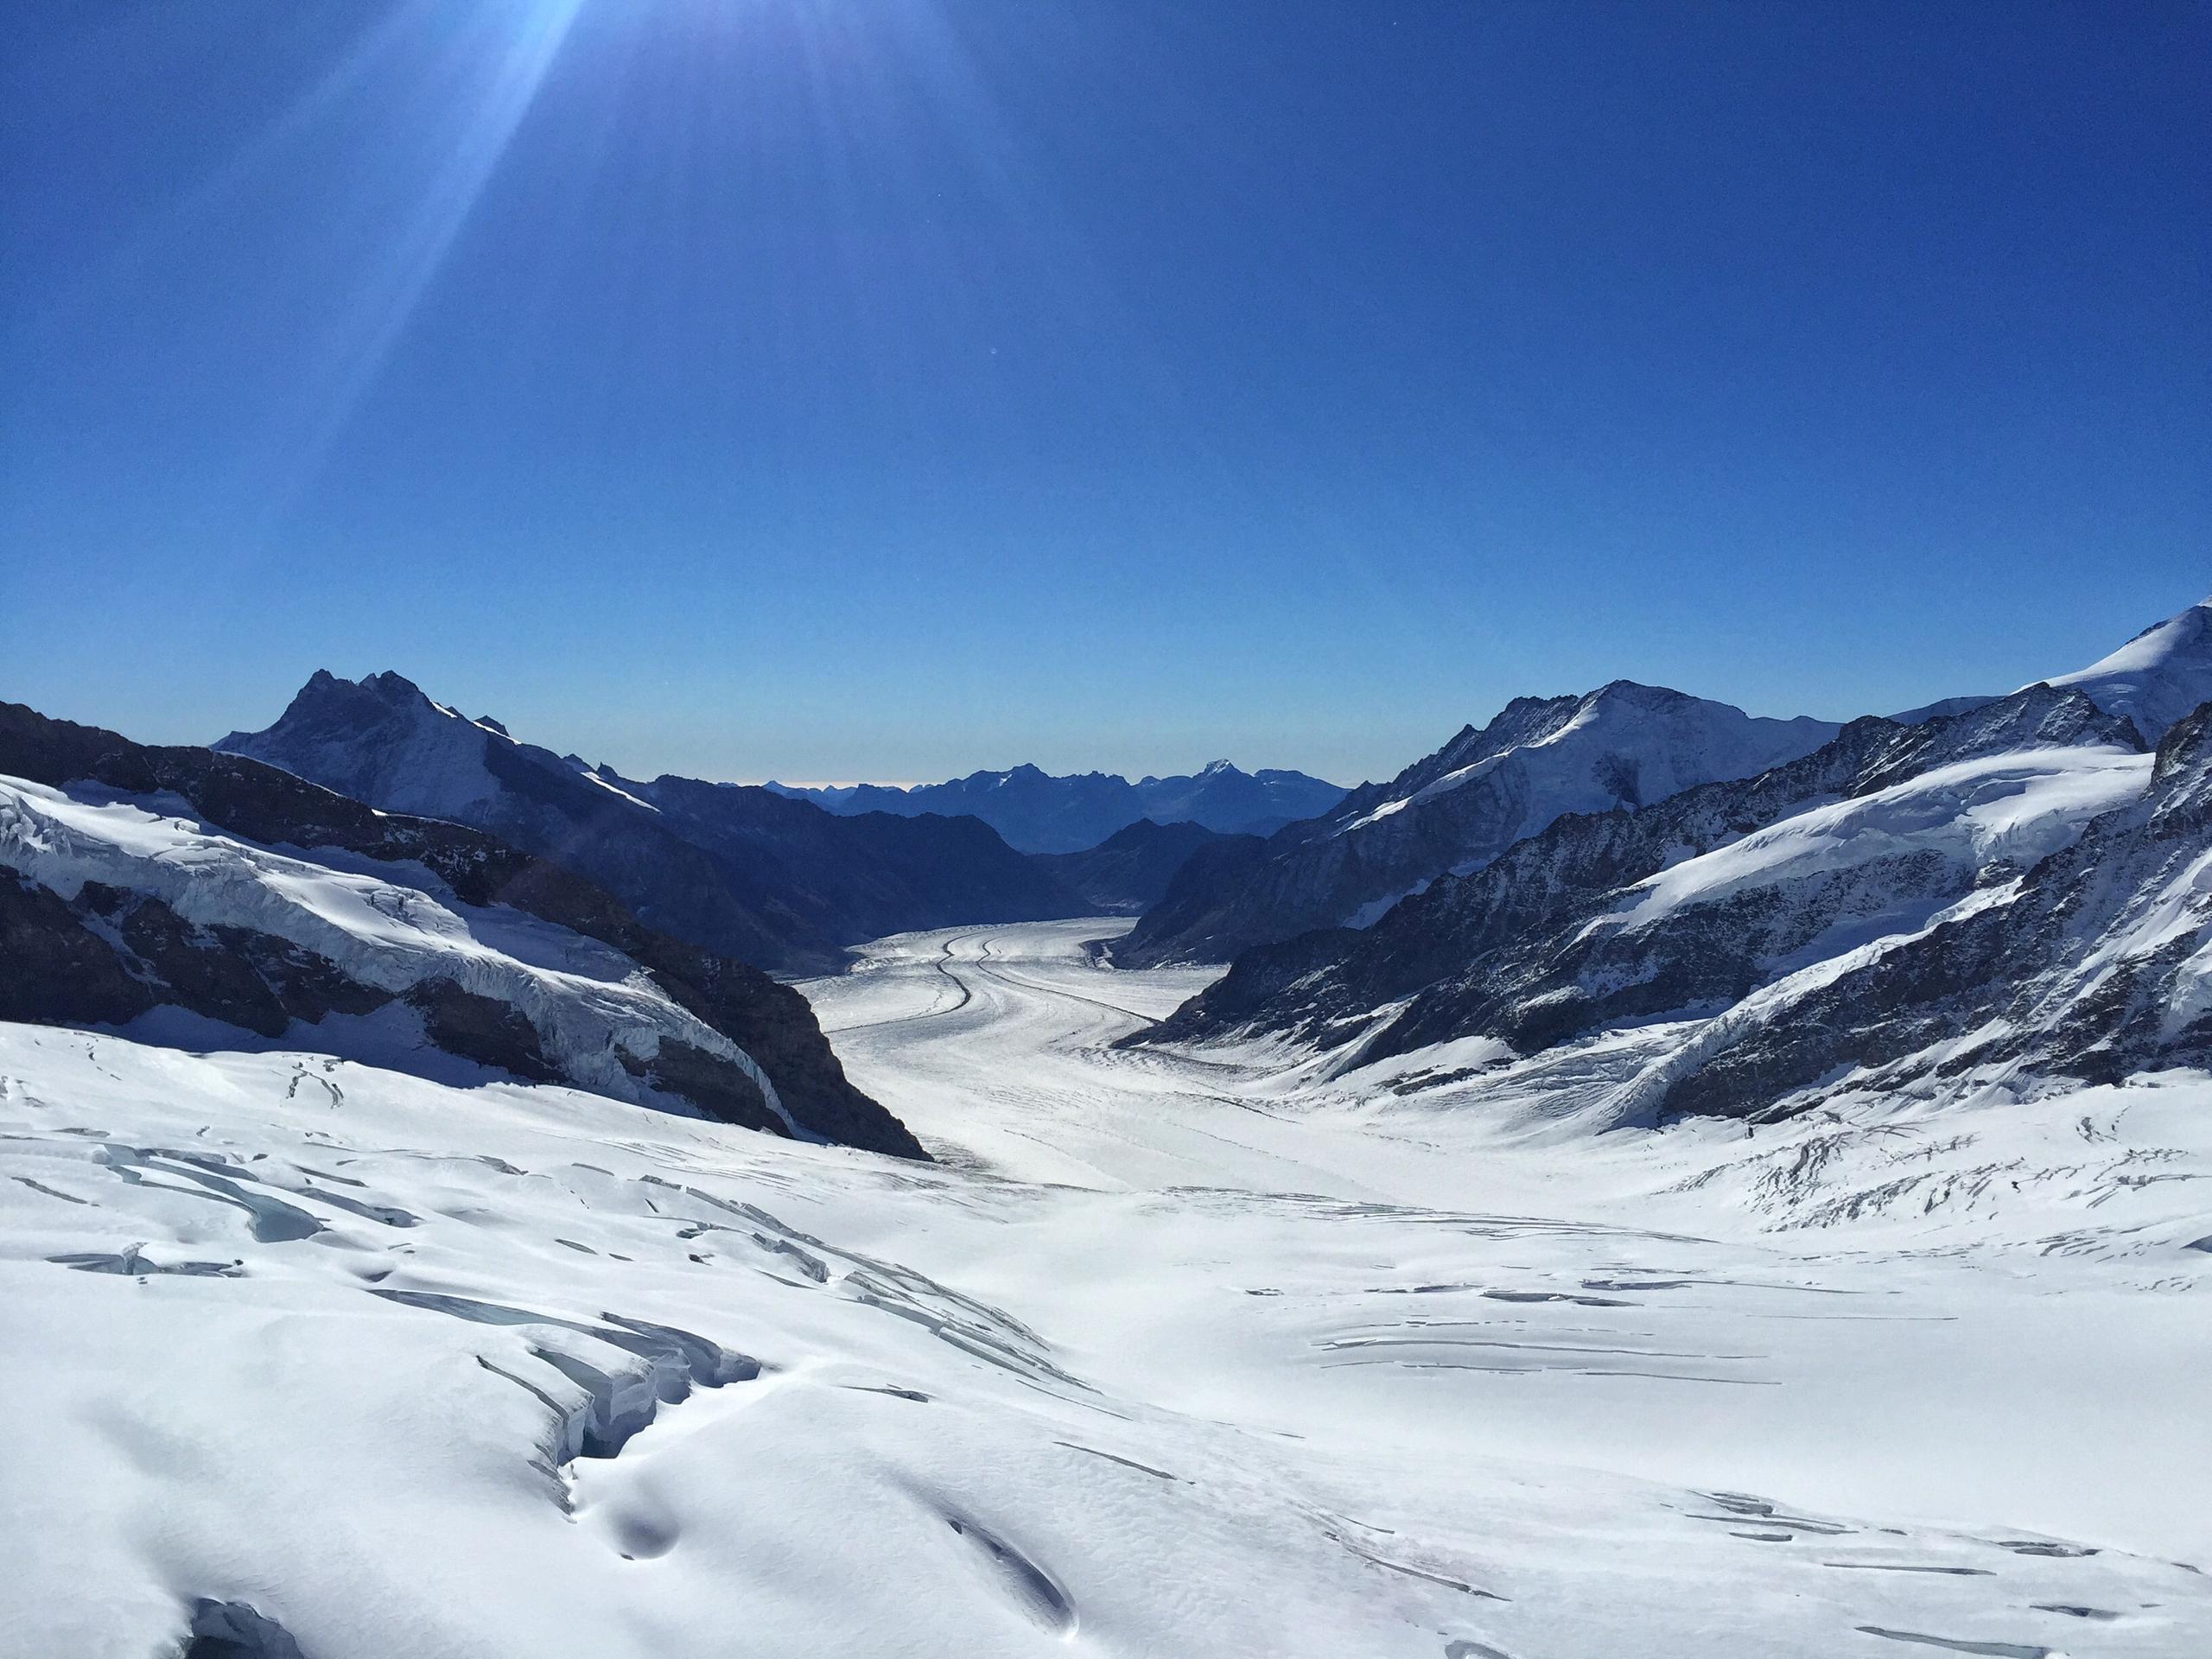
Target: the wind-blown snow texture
pixel 1623 745
pixel 742 872
pixel 1040 813
pixel 1197 1358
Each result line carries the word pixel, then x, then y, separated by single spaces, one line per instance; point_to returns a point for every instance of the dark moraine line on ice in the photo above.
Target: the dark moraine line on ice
pixel 1004 978
pixel 1994 1650
pixel 944 966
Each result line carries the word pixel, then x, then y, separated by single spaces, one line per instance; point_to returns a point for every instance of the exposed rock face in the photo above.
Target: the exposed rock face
pixel 235 1630
pixel 105 955
pixel 742 872
pixel 2096 963
pixel 1040 813
pixel 1900 887
pixel 1130 870
pixel 1623 745
pixel 494 1033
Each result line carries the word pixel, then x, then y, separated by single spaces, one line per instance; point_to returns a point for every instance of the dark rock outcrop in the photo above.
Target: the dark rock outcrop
pixel 236 1629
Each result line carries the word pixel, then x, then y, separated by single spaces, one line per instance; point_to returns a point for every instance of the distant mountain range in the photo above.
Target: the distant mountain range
pixel 1037 812
pixel 2012 889
pixel 1623 745
pixel 746 872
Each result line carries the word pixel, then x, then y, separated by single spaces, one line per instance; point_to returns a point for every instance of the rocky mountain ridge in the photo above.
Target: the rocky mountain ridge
pixel 1127 873
pixel 137 879
pixel 742 872
pixel 1502 951
pixel 1037 812
pixel 2011 897
pixel 1622 745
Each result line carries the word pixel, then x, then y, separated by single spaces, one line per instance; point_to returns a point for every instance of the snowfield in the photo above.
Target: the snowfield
pixel 1170 1353
pixel 2017 807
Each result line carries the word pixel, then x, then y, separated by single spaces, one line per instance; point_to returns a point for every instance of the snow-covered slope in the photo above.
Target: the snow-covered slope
pixel 597 1019
pixel 1725 900
pixel 742 872
pixel 317 1358
pixel 218 902
pixel 498 989
pixel 2158 677
pixel 1039 812
pixel 1623 745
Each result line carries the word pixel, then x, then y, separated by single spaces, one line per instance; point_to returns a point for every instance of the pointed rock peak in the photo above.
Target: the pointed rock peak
pixel 393 687
pixel 1216 769
pixel 326 697
pixel 492 725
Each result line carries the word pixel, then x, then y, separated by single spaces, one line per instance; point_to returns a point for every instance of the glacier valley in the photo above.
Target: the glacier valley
pixel 1217 1350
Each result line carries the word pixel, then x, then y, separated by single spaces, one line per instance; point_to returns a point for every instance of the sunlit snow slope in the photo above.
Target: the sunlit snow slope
pixel 1176 1358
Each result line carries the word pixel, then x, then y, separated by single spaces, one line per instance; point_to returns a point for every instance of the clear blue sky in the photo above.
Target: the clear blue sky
pixel 835 389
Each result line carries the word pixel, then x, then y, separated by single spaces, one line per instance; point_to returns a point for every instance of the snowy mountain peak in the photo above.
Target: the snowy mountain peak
pixel 1623 745
pixel 2158 677
pixel 379 739
pixel 739 871
pixel 1638 694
